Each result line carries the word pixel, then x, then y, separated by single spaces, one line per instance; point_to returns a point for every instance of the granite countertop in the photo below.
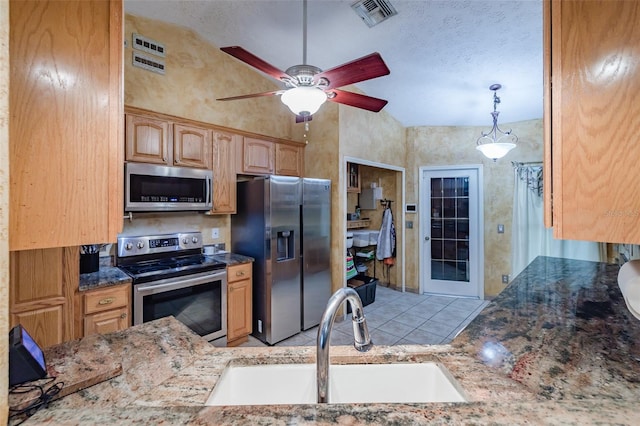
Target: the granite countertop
pixel 111 275
pixel 556 346
pixel 105 277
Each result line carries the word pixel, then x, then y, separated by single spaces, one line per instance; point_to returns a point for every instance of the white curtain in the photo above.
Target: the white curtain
pixel 530 238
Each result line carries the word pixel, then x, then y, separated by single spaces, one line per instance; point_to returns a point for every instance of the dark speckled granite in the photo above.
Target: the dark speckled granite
pixel 111 275
pixel 557 346
pixel 231 258
pixel 562 329
pixel 105 277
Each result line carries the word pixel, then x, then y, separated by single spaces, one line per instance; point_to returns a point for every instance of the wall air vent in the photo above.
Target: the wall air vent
pixel 372 12
pixel 150 46
pixel 148 63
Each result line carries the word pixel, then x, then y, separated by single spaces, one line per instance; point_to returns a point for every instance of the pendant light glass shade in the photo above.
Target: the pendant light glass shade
pixel 495 143
pixel 304 100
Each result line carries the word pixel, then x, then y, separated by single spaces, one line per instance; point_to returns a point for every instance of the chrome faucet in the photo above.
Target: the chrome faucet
pixel 362 341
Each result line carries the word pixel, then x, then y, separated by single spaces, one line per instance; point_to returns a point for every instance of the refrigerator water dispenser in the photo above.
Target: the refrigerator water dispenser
pixel 285 245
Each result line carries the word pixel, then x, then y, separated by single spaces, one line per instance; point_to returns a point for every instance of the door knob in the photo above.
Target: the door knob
pixel 426 238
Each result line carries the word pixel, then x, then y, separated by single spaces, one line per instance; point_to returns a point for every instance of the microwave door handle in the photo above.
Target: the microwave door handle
pixel 209 184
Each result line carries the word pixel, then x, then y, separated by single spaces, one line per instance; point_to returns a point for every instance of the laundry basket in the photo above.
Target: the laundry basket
pixel 351 267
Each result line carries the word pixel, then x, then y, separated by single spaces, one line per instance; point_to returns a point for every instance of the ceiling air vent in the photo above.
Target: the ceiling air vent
pixel 148 63
pixel 141 42
pixel 373 12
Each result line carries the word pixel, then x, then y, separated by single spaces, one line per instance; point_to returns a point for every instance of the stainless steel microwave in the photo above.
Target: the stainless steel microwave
pixel 156 188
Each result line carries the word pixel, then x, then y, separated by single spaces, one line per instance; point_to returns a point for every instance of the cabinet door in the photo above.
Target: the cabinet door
pixel 239 303
pixel 594 119
pixel 224 172
pixel 289 160
pixel 106 322
pixel 41 292
pixel 239 316
pixel 191 146
pixel 147 140
pixel 66 128
pixel 258 156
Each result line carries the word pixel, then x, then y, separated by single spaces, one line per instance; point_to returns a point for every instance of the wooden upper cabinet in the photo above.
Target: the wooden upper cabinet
pixel 147 140
pixel 191 146
pixel 289 160
pixel 258 156
pixel 224 172
pixel 66 129
pixel 592 119
pixel 265 157
pixel 154 139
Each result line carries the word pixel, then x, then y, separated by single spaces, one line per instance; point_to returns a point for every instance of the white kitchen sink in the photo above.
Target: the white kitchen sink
pixel 365 383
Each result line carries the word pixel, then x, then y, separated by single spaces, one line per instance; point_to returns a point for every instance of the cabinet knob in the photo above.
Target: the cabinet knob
pixel 106 301
pixel 239 273
pixel 123 316
pixel 426 238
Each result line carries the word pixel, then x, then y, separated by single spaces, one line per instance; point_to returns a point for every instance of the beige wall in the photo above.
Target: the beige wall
pixel 4 207
pixel 377 138
pixel 196 74
pixel 430 146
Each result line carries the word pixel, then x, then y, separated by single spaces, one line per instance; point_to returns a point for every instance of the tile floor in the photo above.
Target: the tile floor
pixel 397 318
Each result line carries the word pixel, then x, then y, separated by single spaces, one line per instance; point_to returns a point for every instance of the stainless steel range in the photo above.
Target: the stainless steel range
pixel 171 276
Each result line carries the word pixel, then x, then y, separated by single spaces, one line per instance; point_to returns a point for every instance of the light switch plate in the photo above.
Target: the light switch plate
pixel 215 233
pixel 500 229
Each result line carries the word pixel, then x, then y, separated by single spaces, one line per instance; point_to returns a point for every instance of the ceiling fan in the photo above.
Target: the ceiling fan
pixel 307 87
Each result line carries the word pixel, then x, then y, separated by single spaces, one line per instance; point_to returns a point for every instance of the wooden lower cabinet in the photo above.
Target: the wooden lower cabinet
pixel 239 303
pixel 41 287
pixel 104 310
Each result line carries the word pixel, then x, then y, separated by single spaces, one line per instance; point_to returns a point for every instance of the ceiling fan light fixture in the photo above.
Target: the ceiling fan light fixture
pixel 304 100
pixel 496 143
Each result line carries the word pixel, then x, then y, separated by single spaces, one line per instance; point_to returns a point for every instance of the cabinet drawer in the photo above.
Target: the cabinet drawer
pixel 109 298
pixel 239 272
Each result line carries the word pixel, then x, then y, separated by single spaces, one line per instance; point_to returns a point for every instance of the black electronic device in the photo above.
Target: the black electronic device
pixel 26 360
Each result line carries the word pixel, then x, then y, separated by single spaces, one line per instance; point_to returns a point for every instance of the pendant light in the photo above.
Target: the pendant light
pixel 495 143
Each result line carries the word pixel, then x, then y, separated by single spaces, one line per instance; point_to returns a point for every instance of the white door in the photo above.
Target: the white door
pixel 451 212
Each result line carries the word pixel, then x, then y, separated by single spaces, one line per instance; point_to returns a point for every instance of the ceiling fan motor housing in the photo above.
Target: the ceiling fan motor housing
pixel 303 74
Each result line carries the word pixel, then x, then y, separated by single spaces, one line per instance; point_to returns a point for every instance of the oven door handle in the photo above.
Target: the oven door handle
pixel 181 283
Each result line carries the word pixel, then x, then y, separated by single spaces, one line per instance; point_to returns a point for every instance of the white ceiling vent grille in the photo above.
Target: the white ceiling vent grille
pixel 141 42
pixel 148 63
pixel 373 12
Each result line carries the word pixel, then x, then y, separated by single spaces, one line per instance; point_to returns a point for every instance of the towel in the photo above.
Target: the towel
pixel 386 237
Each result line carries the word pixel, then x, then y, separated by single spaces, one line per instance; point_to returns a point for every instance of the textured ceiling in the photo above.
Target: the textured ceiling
pixel 443 55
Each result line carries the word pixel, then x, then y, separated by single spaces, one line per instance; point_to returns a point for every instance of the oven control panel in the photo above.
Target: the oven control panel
pixel 150 244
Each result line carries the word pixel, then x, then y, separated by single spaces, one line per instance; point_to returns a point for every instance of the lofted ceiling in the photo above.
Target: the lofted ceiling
pixel 443 54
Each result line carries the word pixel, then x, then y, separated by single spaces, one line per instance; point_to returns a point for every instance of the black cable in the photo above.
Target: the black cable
pixel 42 401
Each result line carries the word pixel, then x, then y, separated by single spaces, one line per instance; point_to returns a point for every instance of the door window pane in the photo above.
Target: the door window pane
pixel 450 228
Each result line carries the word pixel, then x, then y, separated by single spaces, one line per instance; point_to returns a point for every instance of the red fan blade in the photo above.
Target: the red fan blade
pixel 253 95
pixel 365 68
pixel 357 100
pixel 251 59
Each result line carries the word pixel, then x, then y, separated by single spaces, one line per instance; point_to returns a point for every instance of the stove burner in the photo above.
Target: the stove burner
pixel 155 258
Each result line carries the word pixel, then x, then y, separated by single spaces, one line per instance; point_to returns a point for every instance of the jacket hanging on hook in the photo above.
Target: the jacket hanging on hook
pixel 387 238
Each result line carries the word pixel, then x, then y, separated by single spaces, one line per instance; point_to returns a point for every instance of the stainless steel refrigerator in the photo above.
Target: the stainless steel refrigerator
pixel 284 223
